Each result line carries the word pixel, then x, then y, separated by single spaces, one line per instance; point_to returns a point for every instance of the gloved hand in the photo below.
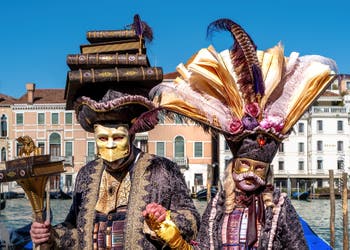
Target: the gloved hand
pixel 167 231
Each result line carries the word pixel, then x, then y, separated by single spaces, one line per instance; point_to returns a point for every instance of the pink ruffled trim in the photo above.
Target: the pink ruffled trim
pixel 276 213
pixel 211 222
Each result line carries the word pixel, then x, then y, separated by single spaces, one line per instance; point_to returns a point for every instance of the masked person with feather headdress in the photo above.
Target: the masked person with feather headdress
pixel 253 98
pixel 114 192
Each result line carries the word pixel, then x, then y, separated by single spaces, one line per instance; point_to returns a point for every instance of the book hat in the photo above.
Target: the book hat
pixel 253 97
pixel 109 81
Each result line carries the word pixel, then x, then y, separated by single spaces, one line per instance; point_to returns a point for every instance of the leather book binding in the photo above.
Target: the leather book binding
pixel 96 36
pixel 87 61
pixel 116 74
pixel 125 46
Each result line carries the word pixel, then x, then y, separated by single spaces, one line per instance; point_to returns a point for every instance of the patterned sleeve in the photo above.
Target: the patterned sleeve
pixel 290 231
pixel 183 210
pixel 65 234
pixel 208 231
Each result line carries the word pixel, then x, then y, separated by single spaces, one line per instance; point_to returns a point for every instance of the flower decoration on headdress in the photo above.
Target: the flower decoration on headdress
pixel 242 90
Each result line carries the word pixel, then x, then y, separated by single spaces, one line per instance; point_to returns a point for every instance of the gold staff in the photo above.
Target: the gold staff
pixel 32 172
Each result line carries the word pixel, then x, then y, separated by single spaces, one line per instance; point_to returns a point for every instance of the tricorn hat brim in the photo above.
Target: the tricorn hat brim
pixel 114 108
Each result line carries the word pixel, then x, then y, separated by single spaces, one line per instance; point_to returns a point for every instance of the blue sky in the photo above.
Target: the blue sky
pixel 37 35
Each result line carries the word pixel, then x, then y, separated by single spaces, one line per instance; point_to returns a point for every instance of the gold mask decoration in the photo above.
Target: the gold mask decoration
pixel 244 165
pixel 113 143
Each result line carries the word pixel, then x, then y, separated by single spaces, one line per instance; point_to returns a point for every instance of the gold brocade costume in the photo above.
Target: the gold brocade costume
pixel 114 191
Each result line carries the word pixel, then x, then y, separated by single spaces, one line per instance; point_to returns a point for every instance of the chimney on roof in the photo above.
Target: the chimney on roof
pixel 30 92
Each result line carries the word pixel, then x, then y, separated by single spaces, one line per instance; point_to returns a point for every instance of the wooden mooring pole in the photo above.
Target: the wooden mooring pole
pixel 332 201
pixel 345 211
pixel 209 180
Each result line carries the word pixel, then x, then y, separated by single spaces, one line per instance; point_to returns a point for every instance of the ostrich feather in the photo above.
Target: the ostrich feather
pixel 244 59
pixel 180 98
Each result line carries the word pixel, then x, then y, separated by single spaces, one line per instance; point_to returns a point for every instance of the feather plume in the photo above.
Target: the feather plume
pixel 272 66
pixel 143 30
pixel 180 98
pixel 138 25
pixel 210 75
pixel 145 122
pixel 304 79
pixel 244 59
pixel 315 78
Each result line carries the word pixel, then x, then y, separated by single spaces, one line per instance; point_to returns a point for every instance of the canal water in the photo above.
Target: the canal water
pixel 316 212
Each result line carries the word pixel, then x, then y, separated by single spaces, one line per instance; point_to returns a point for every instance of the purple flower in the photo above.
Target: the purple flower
pixel 249 122
pixel 252 109
pixel 235 126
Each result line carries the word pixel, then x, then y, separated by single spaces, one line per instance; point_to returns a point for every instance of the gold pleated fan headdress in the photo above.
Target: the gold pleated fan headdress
pixel 242 91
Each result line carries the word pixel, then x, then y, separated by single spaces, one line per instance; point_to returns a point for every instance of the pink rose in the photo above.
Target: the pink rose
pixel 265 124
pixel 275 122
pixel 252 109
pixel 236 126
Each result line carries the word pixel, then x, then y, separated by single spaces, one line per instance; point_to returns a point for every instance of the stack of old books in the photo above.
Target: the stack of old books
pixel 113 59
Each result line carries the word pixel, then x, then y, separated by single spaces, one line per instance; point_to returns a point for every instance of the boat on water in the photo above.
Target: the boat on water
pixel 11 195
pixel 2 204
pixel 202 194
pixel 18 238
pixel 301 195
pixel 60 195
pixel 314 241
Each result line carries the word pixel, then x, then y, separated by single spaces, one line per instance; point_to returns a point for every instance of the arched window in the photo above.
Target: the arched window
pixel 3 154
pixel 3 132
pixel 55 144
pixel 179 146
pixel 55 150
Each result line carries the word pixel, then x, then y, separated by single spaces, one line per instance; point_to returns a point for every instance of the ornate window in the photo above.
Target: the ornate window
pixel 179 146
pixel 160 148
pixel 3 126
pixel 3 154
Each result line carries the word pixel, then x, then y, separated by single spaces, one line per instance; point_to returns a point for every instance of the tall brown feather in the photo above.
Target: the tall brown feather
pixel 244 59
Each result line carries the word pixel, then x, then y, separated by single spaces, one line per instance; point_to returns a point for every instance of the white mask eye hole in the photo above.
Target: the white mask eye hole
pixel 103 138
pixel 117 138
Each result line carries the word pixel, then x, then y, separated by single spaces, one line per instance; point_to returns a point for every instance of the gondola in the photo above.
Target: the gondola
pixel 314 241
pixel 202 194
pixel 301 195
pixel 2 204
pixel 60 195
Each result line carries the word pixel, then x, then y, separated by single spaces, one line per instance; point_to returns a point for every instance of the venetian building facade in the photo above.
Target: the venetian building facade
pixel 41 114
pixel 5 123
pixel 187 145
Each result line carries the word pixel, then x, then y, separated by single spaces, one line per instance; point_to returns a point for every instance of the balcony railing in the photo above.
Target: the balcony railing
pixel 68 160
pixel 314 173
pixel 320 109
pixel 182 162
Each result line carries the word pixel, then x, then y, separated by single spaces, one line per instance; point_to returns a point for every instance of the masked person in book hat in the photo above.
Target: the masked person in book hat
pixel 112 191
pixel 115 192
pixel 253 98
